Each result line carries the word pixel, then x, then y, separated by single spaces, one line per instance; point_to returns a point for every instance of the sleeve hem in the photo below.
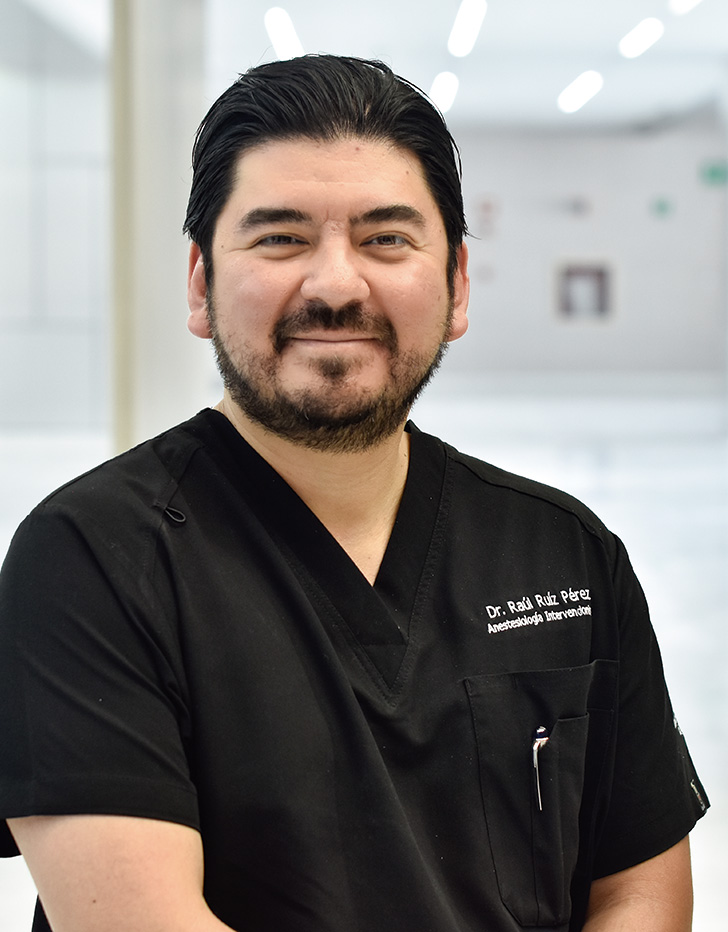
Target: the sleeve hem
pixel 637 852
pixel 112 796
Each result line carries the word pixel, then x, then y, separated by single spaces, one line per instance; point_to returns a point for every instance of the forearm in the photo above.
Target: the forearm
pixel 655 896
pixel 645 915
pixel 116 874
pixel 102 920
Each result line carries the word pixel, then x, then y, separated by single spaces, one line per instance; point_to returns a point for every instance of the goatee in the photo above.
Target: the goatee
pixel 326 418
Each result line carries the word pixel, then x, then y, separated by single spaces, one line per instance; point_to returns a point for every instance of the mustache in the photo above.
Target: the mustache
pixel 317 315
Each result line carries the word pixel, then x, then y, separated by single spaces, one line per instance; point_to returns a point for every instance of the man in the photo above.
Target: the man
pixel 294 665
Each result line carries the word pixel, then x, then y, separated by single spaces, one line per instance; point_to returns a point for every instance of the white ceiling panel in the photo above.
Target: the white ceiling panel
pixel 526 53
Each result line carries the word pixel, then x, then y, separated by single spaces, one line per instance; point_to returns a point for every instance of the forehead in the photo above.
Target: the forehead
pixel 343 171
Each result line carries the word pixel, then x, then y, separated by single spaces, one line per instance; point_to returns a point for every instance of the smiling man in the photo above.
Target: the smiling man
pixel 340 250
pixel 295 666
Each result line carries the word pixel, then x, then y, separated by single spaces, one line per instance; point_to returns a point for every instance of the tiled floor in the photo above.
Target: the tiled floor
pixel 655 471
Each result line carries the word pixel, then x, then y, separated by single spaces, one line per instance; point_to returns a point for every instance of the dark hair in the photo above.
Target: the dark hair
pixel 322 97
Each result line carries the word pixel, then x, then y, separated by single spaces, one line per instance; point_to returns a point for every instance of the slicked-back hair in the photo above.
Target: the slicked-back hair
pixel 324 98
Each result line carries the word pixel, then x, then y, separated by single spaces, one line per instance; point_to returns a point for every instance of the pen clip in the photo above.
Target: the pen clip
pixel 540 738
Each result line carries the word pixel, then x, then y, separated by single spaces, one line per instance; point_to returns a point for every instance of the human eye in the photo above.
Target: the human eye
pixel 279 239
pixel 387 240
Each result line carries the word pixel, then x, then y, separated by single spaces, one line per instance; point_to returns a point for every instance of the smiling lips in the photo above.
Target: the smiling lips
pixel 334 337
pixel 316 322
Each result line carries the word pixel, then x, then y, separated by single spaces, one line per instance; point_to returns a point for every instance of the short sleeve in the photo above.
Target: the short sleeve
pixel 656 796
pixel 93 711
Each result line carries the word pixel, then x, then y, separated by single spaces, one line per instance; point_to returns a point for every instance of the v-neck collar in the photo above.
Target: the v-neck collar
pixel 378 619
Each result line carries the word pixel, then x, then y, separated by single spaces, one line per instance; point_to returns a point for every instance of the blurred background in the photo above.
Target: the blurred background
pixel 594 142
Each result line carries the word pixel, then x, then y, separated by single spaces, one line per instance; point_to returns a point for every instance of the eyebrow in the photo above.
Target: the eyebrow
pixel 265 216
pixel 390 213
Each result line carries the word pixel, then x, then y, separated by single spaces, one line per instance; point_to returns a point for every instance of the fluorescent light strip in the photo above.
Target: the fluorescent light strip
pixel 444 90
pixel 466 27
pixel 282 33
pixel 681 7
pixel 643 36
pixel 581 90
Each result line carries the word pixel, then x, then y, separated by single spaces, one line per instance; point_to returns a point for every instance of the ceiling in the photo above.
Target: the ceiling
pixel 525 55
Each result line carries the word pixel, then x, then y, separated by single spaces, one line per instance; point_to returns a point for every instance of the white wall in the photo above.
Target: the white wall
pixel 54 268
pixel 537 199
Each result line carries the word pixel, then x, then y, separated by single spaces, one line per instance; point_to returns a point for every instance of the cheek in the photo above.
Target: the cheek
pixel 420 305
pixel 247 298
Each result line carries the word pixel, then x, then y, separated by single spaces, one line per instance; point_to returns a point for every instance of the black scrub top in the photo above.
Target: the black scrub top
pixel 181 639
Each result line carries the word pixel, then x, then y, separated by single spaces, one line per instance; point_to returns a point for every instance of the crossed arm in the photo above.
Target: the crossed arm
pixel 120 874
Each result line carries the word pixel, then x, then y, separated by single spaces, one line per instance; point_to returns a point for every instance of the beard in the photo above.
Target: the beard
pixel 326 417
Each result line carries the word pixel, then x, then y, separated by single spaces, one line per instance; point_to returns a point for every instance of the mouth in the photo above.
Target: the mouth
pixel 335 337
pixel 319 326
pixel 334 345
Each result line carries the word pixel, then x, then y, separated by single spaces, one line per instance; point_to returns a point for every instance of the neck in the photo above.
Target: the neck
pixel 356 496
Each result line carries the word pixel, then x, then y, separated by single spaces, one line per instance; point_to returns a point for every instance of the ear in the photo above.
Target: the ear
pixel 198 322
pixel 461 295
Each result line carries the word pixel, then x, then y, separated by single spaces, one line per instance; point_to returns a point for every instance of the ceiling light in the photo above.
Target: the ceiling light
pixel 680 7
pixel 444 90
pixel 573 97
pixel 282 33
pixel 466 27
pixel 641 37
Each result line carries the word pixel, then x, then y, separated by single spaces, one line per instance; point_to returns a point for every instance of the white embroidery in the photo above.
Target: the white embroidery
pixel 550 606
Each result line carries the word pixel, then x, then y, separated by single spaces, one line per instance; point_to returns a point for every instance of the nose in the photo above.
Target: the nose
pixel 334 276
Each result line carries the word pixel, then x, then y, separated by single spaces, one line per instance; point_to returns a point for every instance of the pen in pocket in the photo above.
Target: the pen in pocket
pixel 540 737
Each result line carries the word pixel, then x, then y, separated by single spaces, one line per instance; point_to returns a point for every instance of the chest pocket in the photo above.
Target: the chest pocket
pixel 535 839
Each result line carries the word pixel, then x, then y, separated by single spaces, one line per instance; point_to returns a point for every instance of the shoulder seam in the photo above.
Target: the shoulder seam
pixel 522 485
